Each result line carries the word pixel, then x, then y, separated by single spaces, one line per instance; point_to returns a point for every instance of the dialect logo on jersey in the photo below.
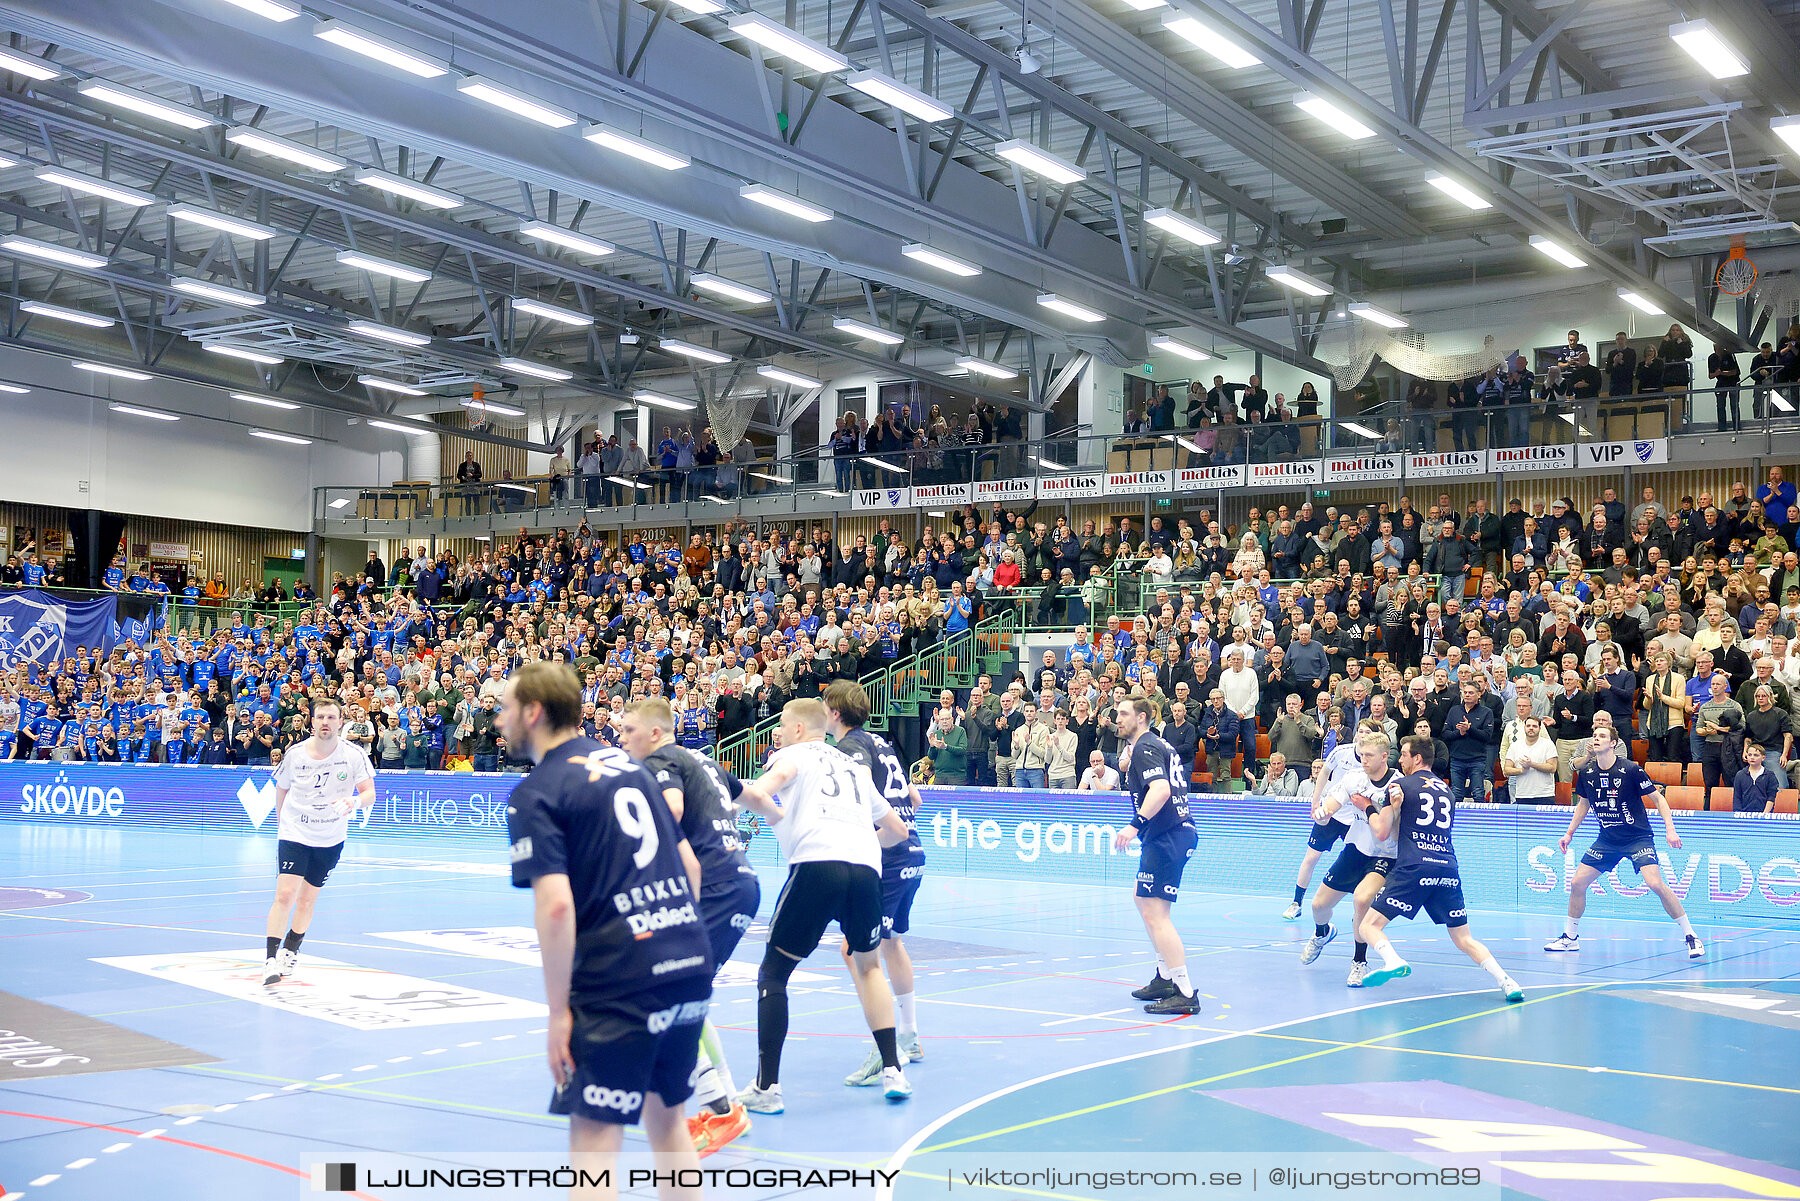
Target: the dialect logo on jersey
pixel 1363 468
pixel 1206 479
pixel 1446 463
pixel 942 494
pixel 1534 458
pixel 1719 878
pixel 64 797
pixel 1072 484
pixel 342 993
pixel 987 491
pixel 881 498
pixel 1139 481
pixel 1299 471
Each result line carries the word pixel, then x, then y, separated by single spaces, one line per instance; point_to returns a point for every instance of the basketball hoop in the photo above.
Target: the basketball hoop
pixel 1737 274
pixel 477 407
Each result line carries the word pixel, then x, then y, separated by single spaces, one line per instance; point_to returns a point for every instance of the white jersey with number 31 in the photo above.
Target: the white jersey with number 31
pixel 831 807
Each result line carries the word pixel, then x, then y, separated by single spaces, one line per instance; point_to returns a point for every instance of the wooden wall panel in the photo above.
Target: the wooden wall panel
pixel 235 550
pixel 495 460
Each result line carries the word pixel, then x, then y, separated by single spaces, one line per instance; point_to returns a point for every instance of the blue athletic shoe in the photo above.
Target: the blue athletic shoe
pixel 1382 975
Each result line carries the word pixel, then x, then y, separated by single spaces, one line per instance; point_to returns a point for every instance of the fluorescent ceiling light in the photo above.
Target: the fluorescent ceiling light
pixel 143 103
pixel 517 103
pixel 1458 192
pixel 28 65
pixel 789 377
pixel 274 10
pixel 1362 430
pixel 388 333
pixel 910 101
pixel 556 235
pixel 220 221
pixel 381 266
pixel 1330 114
pixel 1379 316
pixel 15 389
pixel 1299 281
pixel 773 35
pixel 772 477
pixel 1788 130
pixel 1191 445
pixel 389 385
pixel 1068 308
pixel 490 407
pixel 882 465
pixel 1182 227
pixel 689 350
pixel 268 402
pixel 89 185
pixel 1709 48
pixel 282 148
pixel 1640 302
pixel 134 411
pixel 628 483
pixel 1145 6
pixel 52 253
pixel 793 206
pixel 243 352
pixel 58 313
pixel 720 286
pixel 360 41
pixel 397 428
pixel 117 372
pixel 540 370
pixel 412 189
pixel 720 500
pixel 863 329
pixel 637 148
pixel 922 253
pixel 123 373
pixel 1053 466
pixel 272 436
pixel 1205 37
pixel 550 312
pixel 657 400
pixel 342 501
pixel 217 292
pixel 1169 345
pixel 1555 252
pixel 1040 161
pixel 1781 402
pixel 700 8
pixel 983 367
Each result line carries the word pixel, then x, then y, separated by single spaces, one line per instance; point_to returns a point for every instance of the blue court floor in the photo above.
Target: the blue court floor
pixel 414 1024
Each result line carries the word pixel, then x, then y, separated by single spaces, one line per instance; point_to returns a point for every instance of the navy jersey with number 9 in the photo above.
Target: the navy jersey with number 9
pixel 1427 813
pixel 589 813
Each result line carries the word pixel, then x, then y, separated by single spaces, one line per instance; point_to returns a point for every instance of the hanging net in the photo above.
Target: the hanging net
pixel 729 415
pixel 1780 294
pixel 1364 344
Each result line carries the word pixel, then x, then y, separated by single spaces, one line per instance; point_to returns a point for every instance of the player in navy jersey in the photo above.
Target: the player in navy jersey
pixel 1158 786
pixel 627 967
pixel 1615 789
pixel 700 793
pixel 1420 812
pixel 902 865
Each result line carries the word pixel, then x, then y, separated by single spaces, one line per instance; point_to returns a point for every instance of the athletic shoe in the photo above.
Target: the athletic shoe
pixel 1695 950
pixel 284 959
pixel 1291 912
pixel 910 1047
pixel 1563 942
pixel 1382 975
pixel 711 1131
pixel 869 1073
pixel 271 972
pixel 894 1084
pixel 1357 972
pixel 1177 1004
pixel 761 1100
pixel 1160 986
pixel 1509 988
pixel 1316 944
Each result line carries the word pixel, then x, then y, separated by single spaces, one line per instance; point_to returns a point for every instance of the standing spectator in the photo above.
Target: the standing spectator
pixel 1061 764
pixel 1621 366
pixel 1467 730
pixel 1722 369
pixel 1530 766
pixel 1718 718
pixel 1449 557
pixel 1675 351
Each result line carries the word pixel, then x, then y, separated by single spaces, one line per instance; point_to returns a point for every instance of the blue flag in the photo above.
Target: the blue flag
pixel 39 627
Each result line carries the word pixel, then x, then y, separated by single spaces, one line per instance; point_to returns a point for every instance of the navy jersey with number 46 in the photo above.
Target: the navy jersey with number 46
pixel 590 813
pixel 1152 760
pixel 878 755
pixel 1617 794
pixel 1427 813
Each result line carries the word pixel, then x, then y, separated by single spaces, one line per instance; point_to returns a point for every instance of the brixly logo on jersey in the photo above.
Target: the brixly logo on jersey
pixel 60 798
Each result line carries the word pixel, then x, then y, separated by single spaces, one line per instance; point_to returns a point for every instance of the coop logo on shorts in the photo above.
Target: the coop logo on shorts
pixel 596 1097
pixel 684 1014
pixel 60 798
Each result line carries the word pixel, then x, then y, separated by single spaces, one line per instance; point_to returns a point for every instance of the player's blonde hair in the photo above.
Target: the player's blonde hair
pixel 655 711
pixel 806 712
pixel 1373 738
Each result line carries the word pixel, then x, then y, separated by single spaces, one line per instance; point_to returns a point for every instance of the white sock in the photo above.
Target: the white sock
pixel 1162 969
pixel 1179 977
pixel 906 1013
pixel 1493 969
pixel 1385 949
pixel 707 1085
pixel 1687 927
pixel 1572 927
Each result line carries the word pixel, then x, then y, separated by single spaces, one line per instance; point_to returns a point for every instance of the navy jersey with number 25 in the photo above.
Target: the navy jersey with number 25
pixel 1427 812
pixel 588 812
pixel 878 755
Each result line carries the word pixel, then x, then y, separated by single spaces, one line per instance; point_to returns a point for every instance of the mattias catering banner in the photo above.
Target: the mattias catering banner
pixel 38 627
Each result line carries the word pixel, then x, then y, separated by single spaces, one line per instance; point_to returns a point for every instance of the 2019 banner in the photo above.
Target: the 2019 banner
pixel 1739 869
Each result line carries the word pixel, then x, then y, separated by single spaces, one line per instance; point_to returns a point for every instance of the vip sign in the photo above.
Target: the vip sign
pixel 1001 490
pixel 1138 481
pixel 1304 471
pixel 942 494
pixel 1207 479
pixel 1072 485
pixel 1640 452
pixel 342 993
pixel 1534 458
pixel 1361 469
pixel 1446 463
pixel 881 498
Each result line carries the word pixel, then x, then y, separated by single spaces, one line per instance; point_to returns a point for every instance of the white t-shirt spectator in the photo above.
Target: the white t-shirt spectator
pixel 1535 785
pixel 1099 779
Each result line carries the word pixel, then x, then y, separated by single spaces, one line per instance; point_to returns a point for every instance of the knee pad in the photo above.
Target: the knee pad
pixel 773 975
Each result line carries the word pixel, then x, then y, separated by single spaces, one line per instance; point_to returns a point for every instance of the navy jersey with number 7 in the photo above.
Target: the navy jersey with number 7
pixel 1427 813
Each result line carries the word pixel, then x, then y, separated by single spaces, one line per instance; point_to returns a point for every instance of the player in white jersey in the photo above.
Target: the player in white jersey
pixel 831 823
pixel 1340 762
pixel 319 784
pixel 1364 862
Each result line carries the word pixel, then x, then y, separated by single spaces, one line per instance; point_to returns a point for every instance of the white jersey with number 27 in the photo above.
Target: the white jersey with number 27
pixel 831 807
pixel 314 786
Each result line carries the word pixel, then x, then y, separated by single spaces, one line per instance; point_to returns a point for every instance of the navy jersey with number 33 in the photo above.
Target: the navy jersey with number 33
pixel 1427 813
